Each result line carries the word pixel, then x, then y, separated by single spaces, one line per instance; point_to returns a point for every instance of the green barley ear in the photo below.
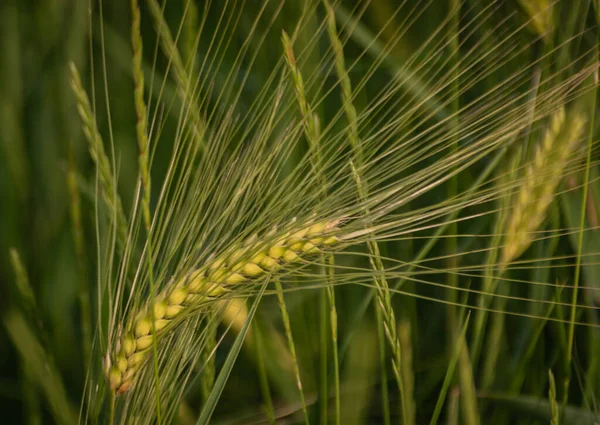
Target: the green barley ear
pixel 141 111
pixel 96 148
pixel 385 313
pixel 542 177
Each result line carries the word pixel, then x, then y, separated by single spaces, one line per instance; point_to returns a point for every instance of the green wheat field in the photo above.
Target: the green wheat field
pixel 299 212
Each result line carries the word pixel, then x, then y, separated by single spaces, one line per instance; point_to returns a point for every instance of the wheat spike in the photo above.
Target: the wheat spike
pixel 542 177
pixel 209 283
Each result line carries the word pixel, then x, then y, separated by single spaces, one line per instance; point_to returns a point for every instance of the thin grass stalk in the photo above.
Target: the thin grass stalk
pixel 452 412
pixel 215 394
pixel 458 346
pixel 488 289
pixel 144 173
pixel 83 294
pixel 521 373
pixel 468 392
pixel 580 235
pixel 491 277
pixel 334 340
pixel 327 296
pixel 22 282
pixel 554 409
pixel 496 335
pixel 309 124
pixel 451 242
pixel 362 190
pixel 385 396
pixel 262 373
pixel 408 377
pixel 12 102
pixel 324 298
pixel 98 154
pixel 291 345
pixel 491 274
pixel 312 133
pixel 41 365
pixel 30 392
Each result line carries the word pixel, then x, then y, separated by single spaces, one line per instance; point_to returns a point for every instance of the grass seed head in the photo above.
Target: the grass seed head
pixel 209 283
pixel 542 177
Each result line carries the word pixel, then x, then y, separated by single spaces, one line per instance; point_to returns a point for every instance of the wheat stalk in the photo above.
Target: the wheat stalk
pixel 215 279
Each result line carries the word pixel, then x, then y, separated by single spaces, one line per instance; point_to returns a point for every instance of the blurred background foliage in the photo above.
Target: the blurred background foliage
pixel 47 214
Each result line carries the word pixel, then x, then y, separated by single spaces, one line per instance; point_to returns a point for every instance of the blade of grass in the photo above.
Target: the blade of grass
pixel 41 366
pixel 262 373
pixel 79 242
pixel 450 372
pixel 580 236
pixel 291 344
pixel 552 400
pixel 215 394
pixel 539 408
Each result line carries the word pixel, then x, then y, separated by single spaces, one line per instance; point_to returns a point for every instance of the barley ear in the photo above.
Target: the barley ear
pixel 205 285
pixel 96 147
pixel 141 110
pixel 383 300
pixel 312 132
pixel 542 177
